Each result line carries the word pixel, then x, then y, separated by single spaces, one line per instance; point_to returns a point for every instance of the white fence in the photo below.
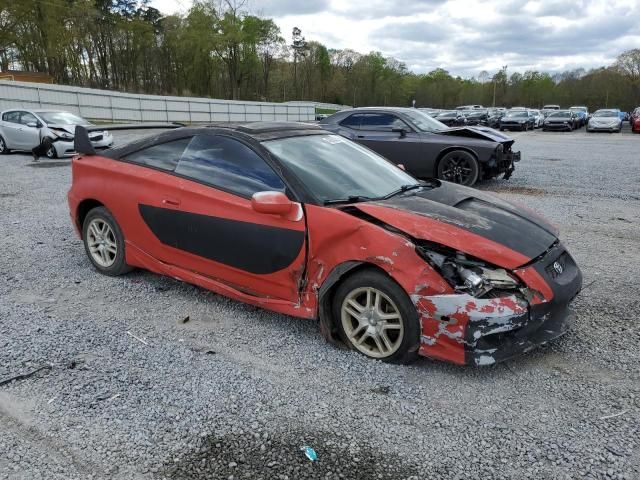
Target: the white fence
pixel 111 106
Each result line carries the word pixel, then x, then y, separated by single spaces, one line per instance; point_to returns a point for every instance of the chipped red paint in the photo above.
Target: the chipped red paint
pixel 470 306
pixel 446 319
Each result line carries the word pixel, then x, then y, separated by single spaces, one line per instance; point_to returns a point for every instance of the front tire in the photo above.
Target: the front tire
pixel 459 167
pixel 3 146
pixel 104 242
pixel 51 152
pixel 376 317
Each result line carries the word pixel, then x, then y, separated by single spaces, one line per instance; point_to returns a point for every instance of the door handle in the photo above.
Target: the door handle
pixel 172 202
pixel 360 136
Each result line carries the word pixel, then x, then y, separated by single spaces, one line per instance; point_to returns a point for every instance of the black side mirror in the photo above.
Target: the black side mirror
pixel 401 131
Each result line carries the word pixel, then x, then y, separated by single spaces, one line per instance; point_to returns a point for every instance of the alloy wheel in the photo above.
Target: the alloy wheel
pixel 457 169
pixel 372 322
pixel 101 241
pixel 3 147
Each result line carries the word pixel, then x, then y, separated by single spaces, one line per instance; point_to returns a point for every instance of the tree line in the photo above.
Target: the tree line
pixel 219 50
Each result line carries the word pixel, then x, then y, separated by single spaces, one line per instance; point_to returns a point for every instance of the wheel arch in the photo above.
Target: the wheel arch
pixel 328 326
pixel 454 148
pixel 84 207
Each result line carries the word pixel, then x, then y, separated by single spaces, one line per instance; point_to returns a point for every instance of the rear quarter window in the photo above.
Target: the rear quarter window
pixel 164 156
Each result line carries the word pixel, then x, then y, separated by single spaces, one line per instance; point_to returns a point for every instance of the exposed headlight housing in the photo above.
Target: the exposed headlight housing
pixel 63 134
pixel 467 275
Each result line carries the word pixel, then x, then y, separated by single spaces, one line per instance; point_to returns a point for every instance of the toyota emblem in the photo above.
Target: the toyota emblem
pixel 558 267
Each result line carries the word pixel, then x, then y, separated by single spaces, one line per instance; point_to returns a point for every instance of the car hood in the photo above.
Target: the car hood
pixel 468 220
pixel 604 120
pixel 559 119
pixel 480 133
pixel 67 128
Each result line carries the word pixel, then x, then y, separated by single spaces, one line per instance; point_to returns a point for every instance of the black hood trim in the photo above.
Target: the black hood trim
pixel 481 214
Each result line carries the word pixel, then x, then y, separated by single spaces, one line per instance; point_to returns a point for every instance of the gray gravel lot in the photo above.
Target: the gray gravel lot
pixel 235 392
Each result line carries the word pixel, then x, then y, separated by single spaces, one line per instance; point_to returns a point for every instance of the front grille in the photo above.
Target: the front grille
pixel 97 138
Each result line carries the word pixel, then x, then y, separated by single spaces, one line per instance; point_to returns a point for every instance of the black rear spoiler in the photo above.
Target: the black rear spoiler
pixel 82 144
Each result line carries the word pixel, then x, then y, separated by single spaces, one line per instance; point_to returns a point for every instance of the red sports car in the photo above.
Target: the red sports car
pixel 294 219
pixel 635 121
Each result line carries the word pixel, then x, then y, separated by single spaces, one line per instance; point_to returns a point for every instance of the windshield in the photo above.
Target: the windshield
pixel 516 114
pixel 605 113
pixel 448 114
pixel 62 118
pixel 334 168
pixel 424 122
pixel 578 109
pixel 562 113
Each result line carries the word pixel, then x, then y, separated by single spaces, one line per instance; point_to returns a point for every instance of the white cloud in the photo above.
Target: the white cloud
pixel 463 36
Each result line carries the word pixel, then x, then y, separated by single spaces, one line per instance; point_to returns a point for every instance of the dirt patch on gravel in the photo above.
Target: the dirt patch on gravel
pixel 53 164
pixel 537 192
pixel 256 455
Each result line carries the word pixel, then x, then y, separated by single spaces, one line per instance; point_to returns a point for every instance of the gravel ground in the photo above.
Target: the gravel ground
pixel 235 392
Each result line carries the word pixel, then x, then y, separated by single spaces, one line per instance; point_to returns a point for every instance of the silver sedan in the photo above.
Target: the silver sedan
pixel 605 120
pixel 25 129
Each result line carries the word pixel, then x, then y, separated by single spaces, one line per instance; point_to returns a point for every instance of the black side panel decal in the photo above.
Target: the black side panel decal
pixel 252 247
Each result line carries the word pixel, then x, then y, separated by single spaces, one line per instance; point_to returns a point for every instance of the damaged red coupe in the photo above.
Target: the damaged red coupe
pixel 296 220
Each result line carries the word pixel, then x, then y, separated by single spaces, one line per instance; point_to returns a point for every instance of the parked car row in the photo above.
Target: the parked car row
pixel 550 118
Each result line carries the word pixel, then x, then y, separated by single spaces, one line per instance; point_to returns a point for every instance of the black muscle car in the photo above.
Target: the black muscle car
pixel 452 118
pixel 424 146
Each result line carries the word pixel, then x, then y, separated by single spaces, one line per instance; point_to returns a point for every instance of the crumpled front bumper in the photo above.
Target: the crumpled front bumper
pixel 466 330
pixel 505 163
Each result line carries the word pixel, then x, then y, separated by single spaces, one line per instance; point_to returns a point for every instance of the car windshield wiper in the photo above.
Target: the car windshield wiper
pixel 402 189
pixel 349 199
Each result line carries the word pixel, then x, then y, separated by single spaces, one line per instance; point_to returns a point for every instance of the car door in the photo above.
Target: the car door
pixel 215 231
pixel 146 178
pixel 377 133
pixel 11 128
pixel 28 131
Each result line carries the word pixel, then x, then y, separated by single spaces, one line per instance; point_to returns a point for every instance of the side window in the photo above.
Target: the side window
pixel 13 117
pixel 226 163
pixel 352 121
pixel 27 117
pixel 382 122
pixel 164 156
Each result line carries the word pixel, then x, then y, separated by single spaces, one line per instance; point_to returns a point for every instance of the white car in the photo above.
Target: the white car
pixel 538 116
pixel 24 129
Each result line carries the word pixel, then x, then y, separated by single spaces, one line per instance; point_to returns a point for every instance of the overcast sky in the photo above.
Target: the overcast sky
pixel 462 36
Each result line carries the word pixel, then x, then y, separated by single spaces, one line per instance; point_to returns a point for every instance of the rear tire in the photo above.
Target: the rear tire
pixel 376 317
pixel 459 167
pixel 104 242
